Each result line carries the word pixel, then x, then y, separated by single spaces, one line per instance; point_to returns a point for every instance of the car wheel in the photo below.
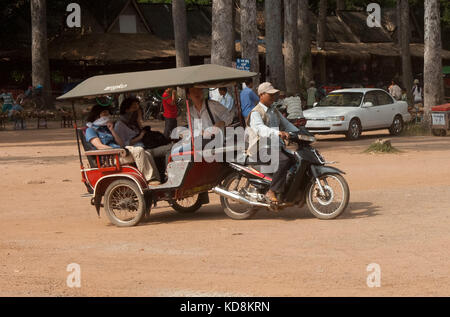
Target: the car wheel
pixel 397 126
pixel 354 130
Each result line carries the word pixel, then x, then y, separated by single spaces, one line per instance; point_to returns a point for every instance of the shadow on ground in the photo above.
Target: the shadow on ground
pixel 215 212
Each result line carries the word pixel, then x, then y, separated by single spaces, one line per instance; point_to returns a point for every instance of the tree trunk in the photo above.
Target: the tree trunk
pixel 407 75
pixel 222 46
pixel 249 36
pixel 340 4
pixel 304 40
pixel 274 44
pixel 398 16
pixel 321 29
pixel 432 59
pixel 180 32
pixel 39 52
pixel 291 48
pixel 321 24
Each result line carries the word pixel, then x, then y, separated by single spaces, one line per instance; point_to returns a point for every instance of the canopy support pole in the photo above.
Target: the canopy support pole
pixel 76 134
pixel 191 128
pixel 238 103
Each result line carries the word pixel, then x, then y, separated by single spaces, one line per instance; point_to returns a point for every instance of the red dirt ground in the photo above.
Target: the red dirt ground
pixel 398 217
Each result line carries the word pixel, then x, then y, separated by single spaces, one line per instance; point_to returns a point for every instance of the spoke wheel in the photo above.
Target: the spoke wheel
pixel 187 205
pixel 239 185
pixel 124 203
pixel 333 201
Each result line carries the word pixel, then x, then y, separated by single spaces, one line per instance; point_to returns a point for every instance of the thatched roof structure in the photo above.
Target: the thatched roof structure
pixel 111 48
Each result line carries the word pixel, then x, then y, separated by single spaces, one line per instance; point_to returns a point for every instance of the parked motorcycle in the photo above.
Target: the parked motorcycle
pixel 310 180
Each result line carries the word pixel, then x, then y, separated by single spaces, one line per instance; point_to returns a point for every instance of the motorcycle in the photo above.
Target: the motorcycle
pixel 153 109
pixel 310 180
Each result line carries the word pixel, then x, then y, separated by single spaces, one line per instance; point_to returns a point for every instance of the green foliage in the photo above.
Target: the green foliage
pixel 18 76
pixel 415 129
pixel 381 148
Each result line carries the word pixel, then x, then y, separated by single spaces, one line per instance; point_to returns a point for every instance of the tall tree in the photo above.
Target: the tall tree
pixel 222 46
pixel 180 32
pixel 39 51
pixel 249 36
pixel 291 48
pixel 432 58
pixel 274 44
pixel 304 40
pixel 321 26
pixel 407 76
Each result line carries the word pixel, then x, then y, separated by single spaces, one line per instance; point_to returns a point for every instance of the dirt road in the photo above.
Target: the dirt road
pixel 398 217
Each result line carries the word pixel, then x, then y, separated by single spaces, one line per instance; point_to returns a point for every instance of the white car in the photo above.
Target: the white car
pixel 352 111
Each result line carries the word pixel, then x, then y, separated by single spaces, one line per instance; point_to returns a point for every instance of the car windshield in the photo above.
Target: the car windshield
pixel 342 99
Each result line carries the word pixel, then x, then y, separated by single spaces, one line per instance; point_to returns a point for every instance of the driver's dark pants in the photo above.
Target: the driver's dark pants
pixel 279 177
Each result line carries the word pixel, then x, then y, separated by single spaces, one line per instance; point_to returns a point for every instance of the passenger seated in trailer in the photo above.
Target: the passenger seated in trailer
pixel 129 129
pixel 101 134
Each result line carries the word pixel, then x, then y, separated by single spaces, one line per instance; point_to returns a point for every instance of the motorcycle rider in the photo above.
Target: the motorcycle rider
pixel 264 126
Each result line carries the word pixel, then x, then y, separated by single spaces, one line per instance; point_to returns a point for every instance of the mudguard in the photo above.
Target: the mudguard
pixel 320 170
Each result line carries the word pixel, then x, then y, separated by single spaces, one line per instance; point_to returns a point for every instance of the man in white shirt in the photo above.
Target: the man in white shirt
pixel 395 90
pixel 217 116
pixel 226 100
pixel 259 122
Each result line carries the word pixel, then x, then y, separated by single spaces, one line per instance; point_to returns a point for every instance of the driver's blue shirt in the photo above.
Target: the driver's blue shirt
pixel 103 134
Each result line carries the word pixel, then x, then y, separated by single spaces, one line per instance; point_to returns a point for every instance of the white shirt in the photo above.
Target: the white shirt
pixel 396 92
pixel 257 124
pixel 417 92
pixel 227 101
pixel 218 111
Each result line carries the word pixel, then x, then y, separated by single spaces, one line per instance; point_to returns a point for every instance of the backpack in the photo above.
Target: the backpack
pixel 154 139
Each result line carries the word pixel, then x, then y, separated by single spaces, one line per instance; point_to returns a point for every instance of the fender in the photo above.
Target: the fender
pixel 319 170
pixel 98 194
pixel 249 171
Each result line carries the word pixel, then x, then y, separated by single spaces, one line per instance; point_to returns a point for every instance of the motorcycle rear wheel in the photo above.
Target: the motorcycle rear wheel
pixel 324 207
pixel 233 209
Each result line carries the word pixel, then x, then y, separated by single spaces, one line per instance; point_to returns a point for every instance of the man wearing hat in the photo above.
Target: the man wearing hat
pixel 417 93
pixel 258 121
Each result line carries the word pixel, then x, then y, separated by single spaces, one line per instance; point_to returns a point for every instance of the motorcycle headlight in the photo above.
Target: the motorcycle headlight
pixel 340 118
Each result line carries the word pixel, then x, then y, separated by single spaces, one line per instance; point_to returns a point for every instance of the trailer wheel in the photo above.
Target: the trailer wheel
pixel 124 204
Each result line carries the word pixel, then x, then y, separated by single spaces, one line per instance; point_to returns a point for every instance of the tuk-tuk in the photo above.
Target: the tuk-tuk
pixel 127 197
pixel 124 191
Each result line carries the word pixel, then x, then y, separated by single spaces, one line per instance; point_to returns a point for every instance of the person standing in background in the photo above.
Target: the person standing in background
pixel 249 99
pixel 227 101
pixel 311 94
pixel 170 114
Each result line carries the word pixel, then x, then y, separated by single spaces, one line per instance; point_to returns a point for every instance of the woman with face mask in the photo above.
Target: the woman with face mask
pixel 102 135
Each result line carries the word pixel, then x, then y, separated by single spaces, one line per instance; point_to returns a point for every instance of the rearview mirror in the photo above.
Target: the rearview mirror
pixel 367 104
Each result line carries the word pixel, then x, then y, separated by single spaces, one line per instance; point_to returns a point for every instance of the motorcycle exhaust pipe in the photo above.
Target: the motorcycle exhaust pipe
pixel 230 195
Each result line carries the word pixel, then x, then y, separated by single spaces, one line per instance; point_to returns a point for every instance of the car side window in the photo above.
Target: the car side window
pixel 371 97
pixel 384 98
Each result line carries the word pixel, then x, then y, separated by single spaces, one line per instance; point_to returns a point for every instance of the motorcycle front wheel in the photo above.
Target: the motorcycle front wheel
pixel 333 201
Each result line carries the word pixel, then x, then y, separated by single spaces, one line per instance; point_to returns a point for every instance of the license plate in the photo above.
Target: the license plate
pixel 438 118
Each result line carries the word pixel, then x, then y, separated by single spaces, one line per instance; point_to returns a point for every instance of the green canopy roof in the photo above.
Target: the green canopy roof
pixel 202 76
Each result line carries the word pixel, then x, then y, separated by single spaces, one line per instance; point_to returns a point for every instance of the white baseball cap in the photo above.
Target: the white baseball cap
pixel 266 88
